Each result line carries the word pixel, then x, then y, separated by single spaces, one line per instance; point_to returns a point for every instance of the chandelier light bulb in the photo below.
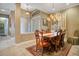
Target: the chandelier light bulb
pixel 51 16
pixel 27 13
pixel 48 18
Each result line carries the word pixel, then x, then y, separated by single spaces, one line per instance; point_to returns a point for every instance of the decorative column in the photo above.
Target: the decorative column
pixel 17 22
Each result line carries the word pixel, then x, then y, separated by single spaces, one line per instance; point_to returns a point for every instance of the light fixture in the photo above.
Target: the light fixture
pixel 2 10
pixel 2 18
pixel 67 3
pixel 48 18
pixel 53 9
pixel 27 12
pixel 27 8
pixel 51 16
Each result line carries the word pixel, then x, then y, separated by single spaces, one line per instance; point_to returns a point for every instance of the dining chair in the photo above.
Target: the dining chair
pixel 62 40
pixel 42 44
pixel 57 41
pixel 52 40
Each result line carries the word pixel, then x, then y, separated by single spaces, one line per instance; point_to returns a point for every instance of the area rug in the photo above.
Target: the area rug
pixel 63 52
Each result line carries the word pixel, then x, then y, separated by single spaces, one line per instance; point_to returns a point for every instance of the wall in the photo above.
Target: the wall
pixel 26 37
pixel 3 15
pixel 18 35
pixel 72 20
pixel 12 23
pixel 37 22
pixel 58 21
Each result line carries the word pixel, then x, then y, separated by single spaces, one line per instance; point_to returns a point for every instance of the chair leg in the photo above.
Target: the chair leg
pixel 55 48
pixel 42 52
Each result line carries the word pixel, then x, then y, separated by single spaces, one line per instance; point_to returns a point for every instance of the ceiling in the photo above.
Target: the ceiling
pixel 48 7
pixel 5 8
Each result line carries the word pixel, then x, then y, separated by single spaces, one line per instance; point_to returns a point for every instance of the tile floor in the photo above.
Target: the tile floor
pixel 74 51
pixel 9 48
pixel 6 41
pixel 18 49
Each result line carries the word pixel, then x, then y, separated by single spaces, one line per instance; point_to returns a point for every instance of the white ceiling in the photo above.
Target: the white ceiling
pixel 7 7
pixel 45 7
pixel 48 7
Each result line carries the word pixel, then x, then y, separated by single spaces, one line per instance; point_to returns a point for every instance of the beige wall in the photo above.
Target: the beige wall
pixel 21 37
pixel 12 23
pixel 72 20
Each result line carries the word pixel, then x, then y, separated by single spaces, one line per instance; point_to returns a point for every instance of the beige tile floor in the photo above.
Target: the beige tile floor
pixel 6 41
pixel 74 51
pixel 20 49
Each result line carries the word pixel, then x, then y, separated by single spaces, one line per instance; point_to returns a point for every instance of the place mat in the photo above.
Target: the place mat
pixel 63 52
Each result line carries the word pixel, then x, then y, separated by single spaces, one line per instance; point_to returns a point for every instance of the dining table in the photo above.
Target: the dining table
pixel 50 35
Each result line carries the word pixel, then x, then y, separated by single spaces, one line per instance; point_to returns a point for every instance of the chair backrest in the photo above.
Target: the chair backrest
pixel 37 34
pixel 62 40
pixel 38 42
pixel 62 36
pixel 39 38
pixel 58 38
pixel 43 31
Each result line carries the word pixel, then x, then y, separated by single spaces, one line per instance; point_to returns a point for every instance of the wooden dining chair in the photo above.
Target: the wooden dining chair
pixel 37 40
pixel 57 41
pixel 62 40
pixel 53 44
pixel 42 44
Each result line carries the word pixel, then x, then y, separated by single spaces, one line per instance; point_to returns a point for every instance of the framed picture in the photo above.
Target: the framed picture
pixel 45 22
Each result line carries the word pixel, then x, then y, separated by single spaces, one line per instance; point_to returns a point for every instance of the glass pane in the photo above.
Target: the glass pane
pixel 3 26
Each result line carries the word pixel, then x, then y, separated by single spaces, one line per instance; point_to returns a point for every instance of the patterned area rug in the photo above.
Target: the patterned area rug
pixel 63 52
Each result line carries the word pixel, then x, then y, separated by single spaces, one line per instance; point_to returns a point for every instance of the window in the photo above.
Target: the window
pixel 3 26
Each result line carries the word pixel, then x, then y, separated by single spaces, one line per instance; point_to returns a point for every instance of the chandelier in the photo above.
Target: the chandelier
pixel 51 16
pixel 54 17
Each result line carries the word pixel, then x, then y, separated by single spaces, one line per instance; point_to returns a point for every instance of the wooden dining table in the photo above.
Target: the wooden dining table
pixel 50 35
pixel 51 38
